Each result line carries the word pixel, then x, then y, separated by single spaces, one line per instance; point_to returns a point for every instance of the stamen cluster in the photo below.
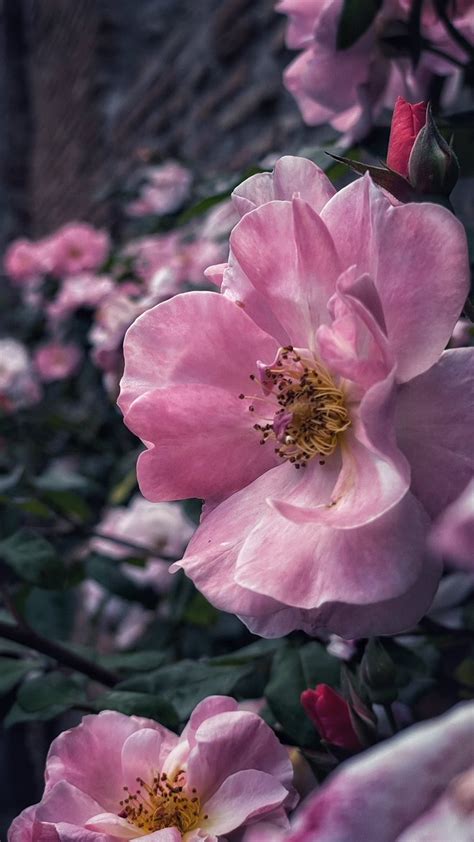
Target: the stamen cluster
pixel 312 412
pixel 161 804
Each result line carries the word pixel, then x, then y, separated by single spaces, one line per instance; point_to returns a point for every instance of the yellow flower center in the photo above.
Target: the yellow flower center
pixel 311 413
pixel 161 804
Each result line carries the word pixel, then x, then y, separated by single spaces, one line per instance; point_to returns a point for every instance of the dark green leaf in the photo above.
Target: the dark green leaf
pixel 51 613
pixel 294 670
pixel 50 689
pixel 33 559
pixel 356 17
pixel 107 572
pixel 139 704
pixel 12 670
pixel 378 673
pixel 134 661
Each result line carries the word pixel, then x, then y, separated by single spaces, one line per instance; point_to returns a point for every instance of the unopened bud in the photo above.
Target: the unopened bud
pixel 433 167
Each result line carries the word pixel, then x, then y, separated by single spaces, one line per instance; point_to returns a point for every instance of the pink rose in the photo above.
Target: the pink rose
pixel 416 787
pixel 19 387
pixel 74 248
pixel 453 533
pixel 309 405
pixel 329 712
pixel 24 261
pixel 407 121
pixel 56 361
pixel 126 777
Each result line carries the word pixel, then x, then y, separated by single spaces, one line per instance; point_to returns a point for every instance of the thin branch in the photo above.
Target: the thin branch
pixel 429 48
pixel 457 36
pixel 66 657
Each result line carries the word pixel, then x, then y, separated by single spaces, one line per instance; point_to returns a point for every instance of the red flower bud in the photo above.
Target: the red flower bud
pixel 407 122
pixel 330 714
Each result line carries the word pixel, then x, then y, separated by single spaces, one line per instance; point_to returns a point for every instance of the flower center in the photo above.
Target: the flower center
pixel 311 413
pixel 161 804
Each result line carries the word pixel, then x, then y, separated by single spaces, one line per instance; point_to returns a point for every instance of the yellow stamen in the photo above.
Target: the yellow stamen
pixel 161 804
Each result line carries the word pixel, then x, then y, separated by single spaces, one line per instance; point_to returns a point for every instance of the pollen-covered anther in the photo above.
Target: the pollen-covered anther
pixel 160 804
pixel 310 409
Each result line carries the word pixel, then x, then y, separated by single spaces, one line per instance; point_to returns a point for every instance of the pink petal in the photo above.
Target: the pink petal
pixel 241 797
pixel 197 337
pixel 432 413
pixel 292 177
pixel 66 803
pixel 21 828
pixel 307 565
pixel 422 286
pixel 112 824
pixel 144 753
pixel 201 442
pixel 210 706
pixel 285 251
pixel 89 756
pixel 231 742
pixel 391 785
pixel 453 534
pixel 168 834
pixel 443 822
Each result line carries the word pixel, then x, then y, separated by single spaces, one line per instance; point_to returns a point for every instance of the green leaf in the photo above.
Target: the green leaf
pixel 12 670
pixel 294 670
pixel 378 673
pixel 139 704
pixel 33 559
pixel 186 683
pixel 356 17
pixel 48 690
pixel 134 661
pixel 51 613
pixel 200 612
pixel 16 714
pixel 107 572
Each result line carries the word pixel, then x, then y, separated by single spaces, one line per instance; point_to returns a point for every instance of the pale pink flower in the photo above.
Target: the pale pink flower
pixel 84 290
pixel 150 254
pixel 74 248
pixel 167 187
pixel 453 533
pixel 349 88
pixel 24 261
pixel 416 787
pixel 161 527
pixel 56 360
pixel 19 387
pixel 323 351
pixel 226 770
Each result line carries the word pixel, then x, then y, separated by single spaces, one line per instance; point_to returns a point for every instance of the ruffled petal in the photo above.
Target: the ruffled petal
pixel 287 254
pixel 242 796
pixel 291 178
pixel 432 413
pixel 201 442
pixel 197 337
pixel 417 257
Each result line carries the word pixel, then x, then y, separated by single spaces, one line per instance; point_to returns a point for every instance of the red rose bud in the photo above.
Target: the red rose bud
pixel 433 167
pixel 407 122
pixel 330 714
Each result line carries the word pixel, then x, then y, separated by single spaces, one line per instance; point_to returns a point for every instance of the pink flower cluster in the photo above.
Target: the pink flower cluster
pixel 166 188
pixel 311 406
pixel 19 386
pixel 125 777
pixel 349 88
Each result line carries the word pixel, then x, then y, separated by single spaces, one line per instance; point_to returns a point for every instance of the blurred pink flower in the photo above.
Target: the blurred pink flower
pixel 24 261
pixel 416 787
pixel 19 387
pixel 127 777
pixel 349 88
pixel 167 187
pixel 84 290
pixel 74 248
pixel 56 360
pixel 150 254
pixel 321 352
pixel 162 527
pixel 453 533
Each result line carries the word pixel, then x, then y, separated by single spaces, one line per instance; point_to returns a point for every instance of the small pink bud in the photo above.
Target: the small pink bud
pixel 407 122
pixel 330 714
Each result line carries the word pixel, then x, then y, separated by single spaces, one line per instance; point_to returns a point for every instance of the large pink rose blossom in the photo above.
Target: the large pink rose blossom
pixel 74 248
pixel 416 787
pixel 453 533
pixel 124 777
pixel 310 405
pixel 349 88
pixel 56 360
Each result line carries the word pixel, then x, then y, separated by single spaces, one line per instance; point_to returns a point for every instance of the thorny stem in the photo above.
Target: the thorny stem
pixel 26 636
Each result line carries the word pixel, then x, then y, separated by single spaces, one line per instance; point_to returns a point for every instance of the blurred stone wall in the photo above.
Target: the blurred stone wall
pixel 87 85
